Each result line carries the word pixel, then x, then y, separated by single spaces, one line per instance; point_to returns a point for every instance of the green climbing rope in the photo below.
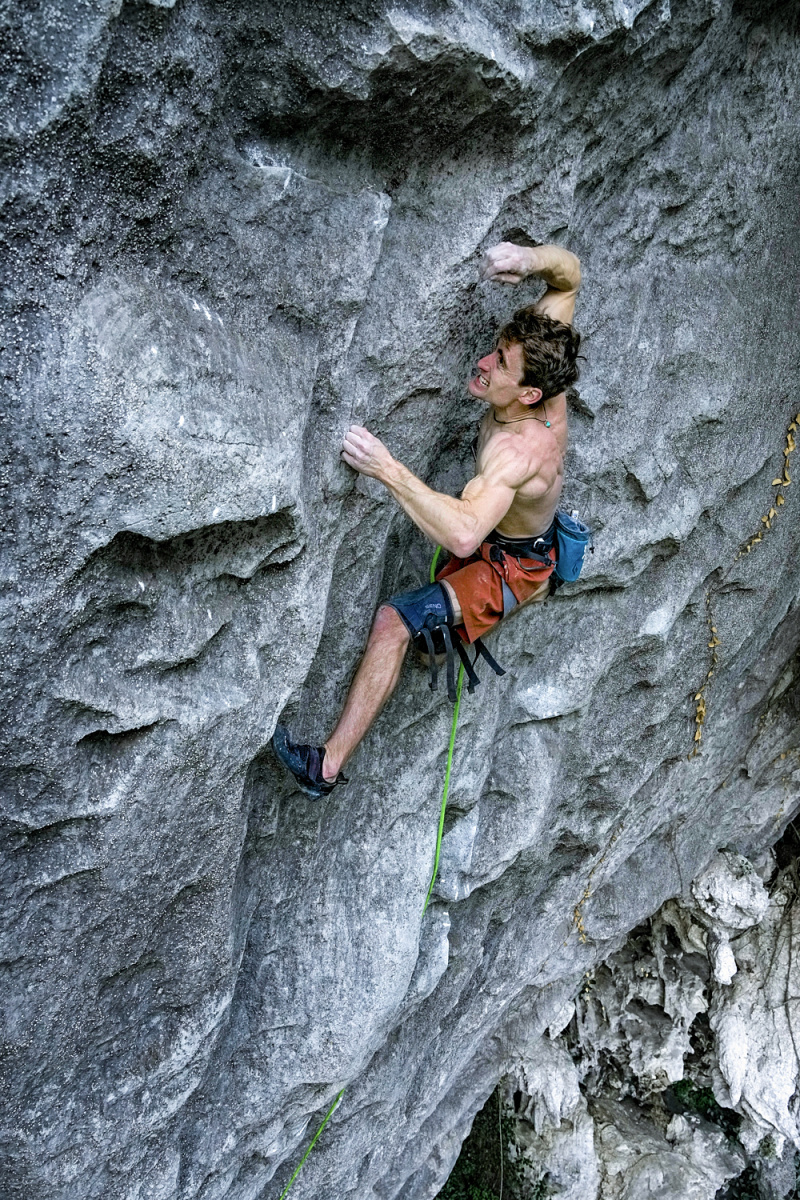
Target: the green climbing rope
pixel 450 749
pixel 301 1164
pixel 442 808
pixel 446 788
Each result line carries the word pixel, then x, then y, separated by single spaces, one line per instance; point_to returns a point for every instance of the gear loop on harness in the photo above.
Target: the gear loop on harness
pixel 467 666
pixel 487 657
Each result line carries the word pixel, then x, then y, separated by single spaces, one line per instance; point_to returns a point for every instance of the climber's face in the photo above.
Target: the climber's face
pixel 498 376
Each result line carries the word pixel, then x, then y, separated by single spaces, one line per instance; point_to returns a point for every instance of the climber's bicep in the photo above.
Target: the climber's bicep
pixel 485 502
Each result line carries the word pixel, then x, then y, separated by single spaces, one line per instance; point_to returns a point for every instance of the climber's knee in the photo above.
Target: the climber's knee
pixel 427 615
pixel 388 627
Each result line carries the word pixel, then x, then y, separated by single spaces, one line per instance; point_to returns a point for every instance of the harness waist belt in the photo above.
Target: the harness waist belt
pixel 536 547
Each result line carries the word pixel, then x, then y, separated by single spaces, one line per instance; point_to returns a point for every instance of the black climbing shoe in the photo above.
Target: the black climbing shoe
pixel 305 763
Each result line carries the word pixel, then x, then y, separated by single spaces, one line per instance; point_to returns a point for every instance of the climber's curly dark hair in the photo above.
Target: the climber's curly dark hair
pixel 549 350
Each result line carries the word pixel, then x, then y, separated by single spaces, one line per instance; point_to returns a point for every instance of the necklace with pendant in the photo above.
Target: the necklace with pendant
pixel 516 420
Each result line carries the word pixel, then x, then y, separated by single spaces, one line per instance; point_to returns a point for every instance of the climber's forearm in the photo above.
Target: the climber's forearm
pixel 559 268
pixel 457 525
pixel 450 522
pixel 444 519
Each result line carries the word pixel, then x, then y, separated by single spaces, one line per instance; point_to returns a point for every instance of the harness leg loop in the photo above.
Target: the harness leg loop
pixel 433 670
pixel 472 678
pixel 484 653
pixel 451 663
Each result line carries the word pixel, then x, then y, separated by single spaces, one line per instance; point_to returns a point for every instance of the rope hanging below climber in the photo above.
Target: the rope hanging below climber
pixel 509 544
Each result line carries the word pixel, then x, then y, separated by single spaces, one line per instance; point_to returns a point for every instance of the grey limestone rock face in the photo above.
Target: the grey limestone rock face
pixel 229 231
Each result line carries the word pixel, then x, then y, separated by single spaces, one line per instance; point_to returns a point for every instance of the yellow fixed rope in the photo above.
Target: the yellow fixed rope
pixel 450 749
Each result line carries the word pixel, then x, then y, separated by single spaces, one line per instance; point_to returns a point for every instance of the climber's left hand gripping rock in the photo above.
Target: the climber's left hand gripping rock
pixel 365 453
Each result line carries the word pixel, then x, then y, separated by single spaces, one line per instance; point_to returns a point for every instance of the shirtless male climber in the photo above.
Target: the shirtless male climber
pixel 500 533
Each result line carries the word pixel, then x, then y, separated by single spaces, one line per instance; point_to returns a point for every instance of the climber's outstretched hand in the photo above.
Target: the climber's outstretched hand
pixel 365 453
pixel 507 263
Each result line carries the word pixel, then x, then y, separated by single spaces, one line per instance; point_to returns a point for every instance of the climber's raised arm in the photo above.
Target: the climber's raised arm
pixel 559 268
pixel 459 525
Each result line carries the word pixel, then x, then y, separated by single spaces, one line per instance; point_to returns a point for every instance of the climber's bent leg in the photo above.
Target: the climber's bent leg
pixel 401 618
pixel 316 768
pixel 374 682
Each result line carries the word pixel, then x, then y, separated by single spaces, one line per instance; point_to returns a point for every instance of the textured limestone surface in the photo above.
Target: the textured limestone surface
pixel 668 1076
pixel 228 231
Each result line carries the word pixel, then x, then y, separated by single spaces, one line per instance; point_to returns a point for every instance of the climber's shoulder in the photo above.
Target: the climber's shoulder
pixel 515 455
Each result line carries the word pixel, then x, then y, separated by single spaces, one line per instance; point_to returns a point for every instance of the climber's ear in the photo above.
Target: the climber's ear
pixel 531 396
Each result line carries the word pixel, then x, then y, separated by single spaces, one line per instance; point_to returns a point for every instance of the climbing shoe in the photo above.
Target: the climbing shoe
pixel 305 763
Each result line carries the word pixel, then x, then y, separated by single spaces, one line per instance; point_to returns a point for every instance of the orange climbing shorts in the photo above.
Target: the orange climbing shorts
pixel 478 584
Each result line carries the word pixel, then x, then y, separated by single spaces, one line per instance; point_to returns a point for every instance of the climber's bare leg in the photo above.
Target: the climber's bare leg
pixel 374 682
pixel 453 602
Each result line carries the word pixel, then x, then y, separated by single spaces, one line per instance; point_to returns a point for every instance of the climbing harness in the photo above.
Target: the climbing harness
pixel 535 550
pixel 427 612
pixel 428 616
